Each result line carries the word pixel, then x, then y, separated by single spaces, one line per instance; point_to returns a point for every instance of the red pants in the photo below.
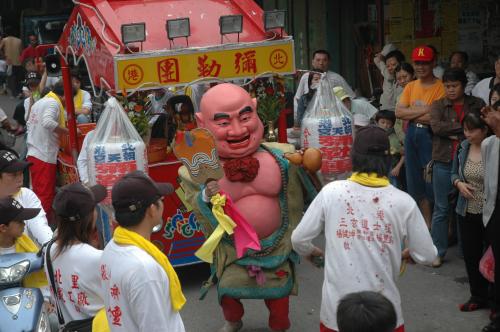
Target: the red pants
pixel 323 328
pixel 278 311
pixel 43 182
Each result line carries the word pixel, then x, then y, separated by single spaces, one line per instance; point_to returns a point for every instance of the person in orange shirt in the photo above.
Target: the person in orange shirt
pixel 415 106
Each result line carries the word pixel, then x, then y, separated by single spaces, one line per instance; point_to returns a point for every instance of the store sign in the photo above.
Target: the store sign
pixel 141 71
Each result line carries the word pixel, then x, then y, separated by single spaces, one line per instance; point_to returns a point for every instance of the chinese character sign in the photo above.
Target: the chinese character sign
pixel 178 67
pixel 245 62
pixel 168 71
pixel 208 67
pixel 360 227
pixel 111 161
pixel 333 136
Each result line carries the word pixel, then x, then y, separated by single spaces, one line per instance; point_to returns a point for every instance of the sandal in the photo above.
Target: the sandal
pixel 472 305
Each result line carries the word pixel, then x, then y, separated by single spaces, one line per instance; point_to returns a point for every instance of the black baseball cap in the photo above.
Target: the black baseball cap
pixel 75 201
pixel 33 76
pixel 136 190
pixel 10 162
pixel 371 140
pixel 11 210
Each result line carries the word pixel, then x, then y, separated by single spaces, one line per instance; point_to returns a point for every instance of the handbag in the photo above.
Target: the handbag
pixel 487 265
pixel 80 325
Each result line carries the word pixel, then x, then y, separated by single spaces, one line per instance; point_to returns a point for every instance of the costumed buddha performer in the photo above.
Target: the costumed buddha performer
pixel 266 189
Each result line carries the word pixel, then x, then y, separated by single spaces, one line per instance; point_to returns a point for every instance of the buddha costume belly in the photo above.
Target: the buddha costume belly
pixel 276 259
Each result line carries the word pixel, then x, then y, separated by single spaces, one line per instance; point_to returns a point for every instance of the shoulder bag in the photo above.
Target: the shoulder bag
pixel 80 325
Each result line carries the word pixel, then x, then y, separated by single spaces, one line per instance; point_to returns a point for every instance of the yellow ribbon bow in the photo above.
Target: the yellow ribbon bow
pixel 124 236
pixel 35 279
pixel 226 225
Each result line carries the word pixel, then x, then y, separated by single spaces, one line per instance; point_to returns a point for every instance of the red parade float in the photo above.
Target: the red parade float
pixel 224 40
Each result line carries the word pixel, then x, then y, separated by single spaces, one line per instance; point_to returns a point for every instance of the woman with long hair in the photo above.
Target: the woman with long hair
pixel 467 176
pixel 404 75
pixel 73 256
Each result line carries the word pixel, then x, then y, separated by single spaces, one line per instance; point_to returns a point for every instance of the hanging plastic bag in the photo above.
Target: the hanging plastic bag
pixel 487 265
pixel 327 125
pixel 115 149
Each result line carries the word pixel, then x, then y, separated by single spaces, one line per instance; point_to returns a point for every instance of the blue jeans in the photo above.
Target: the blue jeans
pixel 394 181
pixel 418 153
pixel 441 181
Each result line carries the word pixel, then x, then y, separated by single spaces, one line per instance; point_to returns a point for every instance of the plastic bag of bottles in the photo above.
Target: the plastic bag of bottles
pixel 115 149
pixel 327 125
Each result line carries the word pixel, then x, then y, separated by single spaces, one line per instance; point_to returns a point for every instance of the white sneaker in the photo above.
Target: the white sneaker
pixel 437 262
pixel 231 326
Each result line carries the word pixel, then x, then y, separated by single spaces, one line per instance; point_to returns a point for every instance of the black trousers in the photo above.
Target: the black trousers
pixel 493 230
pixel 474 240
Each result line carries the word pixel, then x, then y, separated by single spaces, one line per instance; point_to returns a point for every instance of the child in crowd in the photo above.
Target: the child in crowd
pixel 13 240
pixel 366 312
pixel 12 217
pixel 386 121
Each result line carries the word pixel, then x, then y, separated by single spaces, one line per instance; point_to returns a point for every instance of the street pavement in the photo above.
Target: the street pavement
pixel 430 300
pixel 430 296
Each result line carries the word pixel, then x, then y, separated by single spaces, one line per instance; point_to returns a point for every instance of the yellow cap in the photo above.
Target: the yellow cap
pixel 340 93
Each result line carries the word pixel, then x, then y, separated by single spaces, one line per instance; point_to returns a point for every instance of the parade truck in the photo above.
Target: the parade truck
pixel 130 47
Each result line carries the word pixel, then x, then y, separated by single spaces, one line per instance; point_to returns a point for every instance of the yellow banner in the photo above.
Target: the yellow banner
pixel 184 66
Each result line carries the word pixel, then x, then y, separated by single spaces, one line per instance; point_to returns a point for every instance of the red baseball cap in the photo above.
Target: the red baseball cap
pixel 422 53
